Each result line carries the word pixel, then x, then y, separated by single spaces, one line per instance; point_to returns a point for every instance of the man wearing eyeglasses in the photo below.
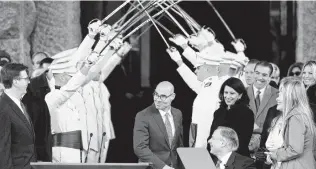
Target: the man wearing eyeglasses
pixel 158 130
pixel 17 136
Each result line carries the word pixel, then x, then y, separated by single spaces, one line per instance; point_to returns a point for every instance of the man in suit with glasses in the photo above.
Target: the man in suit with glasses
pixel 17 136
pixel 158 130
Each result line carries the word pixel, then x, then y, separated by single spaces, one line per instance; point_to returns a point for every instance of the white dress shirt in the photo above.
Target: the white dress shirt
pixel 255 90
pixel 224 160
pixel 162 113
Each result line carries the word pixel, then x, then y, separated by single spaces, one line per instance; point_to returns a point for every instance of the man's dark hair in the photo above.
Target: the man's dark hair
pixel 11 71
pixel 46 60
pixel 40 53
pixel 253 61
pixel 4 58
pixel 265 64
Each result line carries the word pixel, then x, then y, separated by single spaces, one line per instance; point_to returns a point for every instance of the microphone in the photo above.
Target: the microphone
pixel 99 160
pixel 86 159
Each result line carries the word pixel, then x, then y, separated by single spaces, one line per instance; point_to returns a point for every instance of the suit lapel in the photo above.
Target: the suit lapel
pixel 18 112
pixel 30 122
pixel 265 100
pixel 251 96
pixel 160 123
pixel 230 161
pixel 176 123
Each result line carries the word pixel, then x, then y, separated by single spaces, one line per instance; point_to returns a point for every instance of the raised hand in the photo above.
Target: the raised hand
pixel 93 57
pixel 174 54
pixel 179 40
pixel 104 32
pixel 254 142
pixel 93 27
pixel 239 45
pixel 116 43
pixel 124 49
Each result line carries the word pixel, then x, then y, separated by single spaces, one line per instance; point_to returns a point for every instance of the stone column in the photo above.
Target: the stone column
pixel 17 21
pixel 306 31
pixel 57 27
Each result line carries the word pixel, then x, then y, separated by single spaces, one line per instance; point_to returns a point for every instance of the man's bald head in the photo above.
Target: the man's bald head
pixel 164 95
pixel 165 85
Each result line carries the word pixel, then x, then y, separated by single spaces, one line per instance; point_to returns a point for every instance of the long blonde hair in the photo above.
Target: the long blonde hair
pixel 312 65
pixel 295 98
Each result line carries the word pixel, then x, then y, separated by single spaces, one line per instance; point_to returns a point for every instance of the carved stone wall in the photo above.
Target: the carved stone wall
pixel 306 31
pixel 57 26
pixel 27 27
pixel 17 21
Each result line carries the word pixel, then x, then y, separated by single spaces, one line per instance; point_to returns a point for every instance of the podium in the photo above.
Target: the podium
pixel 193 158
pixel 48 165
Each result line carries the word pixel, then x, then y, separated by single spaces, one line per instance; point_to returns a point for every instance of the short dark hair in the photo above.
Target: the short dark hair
pixel 253 61
pixel 265 64
pixel 11 71
pixel 239 87
pixel 40 53
pixel 4 58
pixel 46 60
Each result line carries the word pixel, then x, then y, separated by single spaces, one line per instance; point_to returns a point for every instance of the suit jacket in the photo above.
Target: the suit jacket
pixel 37 108
pixel 16 136
pixel 237 161
pixel 268 101
pixel 150 138
pixel 243 128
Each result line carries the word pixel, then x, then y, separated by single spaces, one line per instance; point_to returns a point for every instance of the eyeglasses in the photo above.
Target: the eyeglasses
pixel 25 78
pixel 161 97
pixel 295 73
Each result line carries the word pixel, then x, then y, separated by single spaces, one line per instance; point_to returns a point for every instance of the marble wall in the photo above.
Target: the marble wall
pixel 306 31
pixel 17 21
pixel 27 27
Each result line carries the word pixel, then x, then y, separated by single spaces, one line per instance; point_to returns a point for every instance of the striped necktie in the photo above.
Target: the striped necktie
pixel 168 128
pixel 257 100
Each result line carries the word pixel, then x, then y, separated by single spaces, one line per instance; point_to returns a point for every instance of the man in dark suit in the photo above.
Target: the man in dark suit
pixel 224 143
pixel 16 130
pixel 262 97
pixel 158 130
pixel 34 100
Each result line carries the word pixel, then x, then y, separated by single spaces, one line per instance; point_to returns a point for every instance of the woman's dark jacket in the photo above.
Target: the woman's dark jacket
pixel 240 118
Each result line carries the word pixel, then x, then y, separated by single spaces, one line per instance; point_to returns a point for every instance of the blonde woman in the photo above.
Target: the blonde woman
pixel 309 73
pixel 291 139
pixel 309 79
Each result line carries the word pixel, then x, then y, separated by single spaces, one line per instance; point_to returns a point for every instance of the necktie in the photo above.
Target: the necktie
pixel 258 100
pixel 168 128
pixel 218 164
pixel 25 112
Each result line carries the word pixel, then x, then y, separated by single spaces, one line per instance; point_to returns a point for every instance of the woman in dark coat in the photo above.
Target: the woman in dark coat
pixel 235 113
